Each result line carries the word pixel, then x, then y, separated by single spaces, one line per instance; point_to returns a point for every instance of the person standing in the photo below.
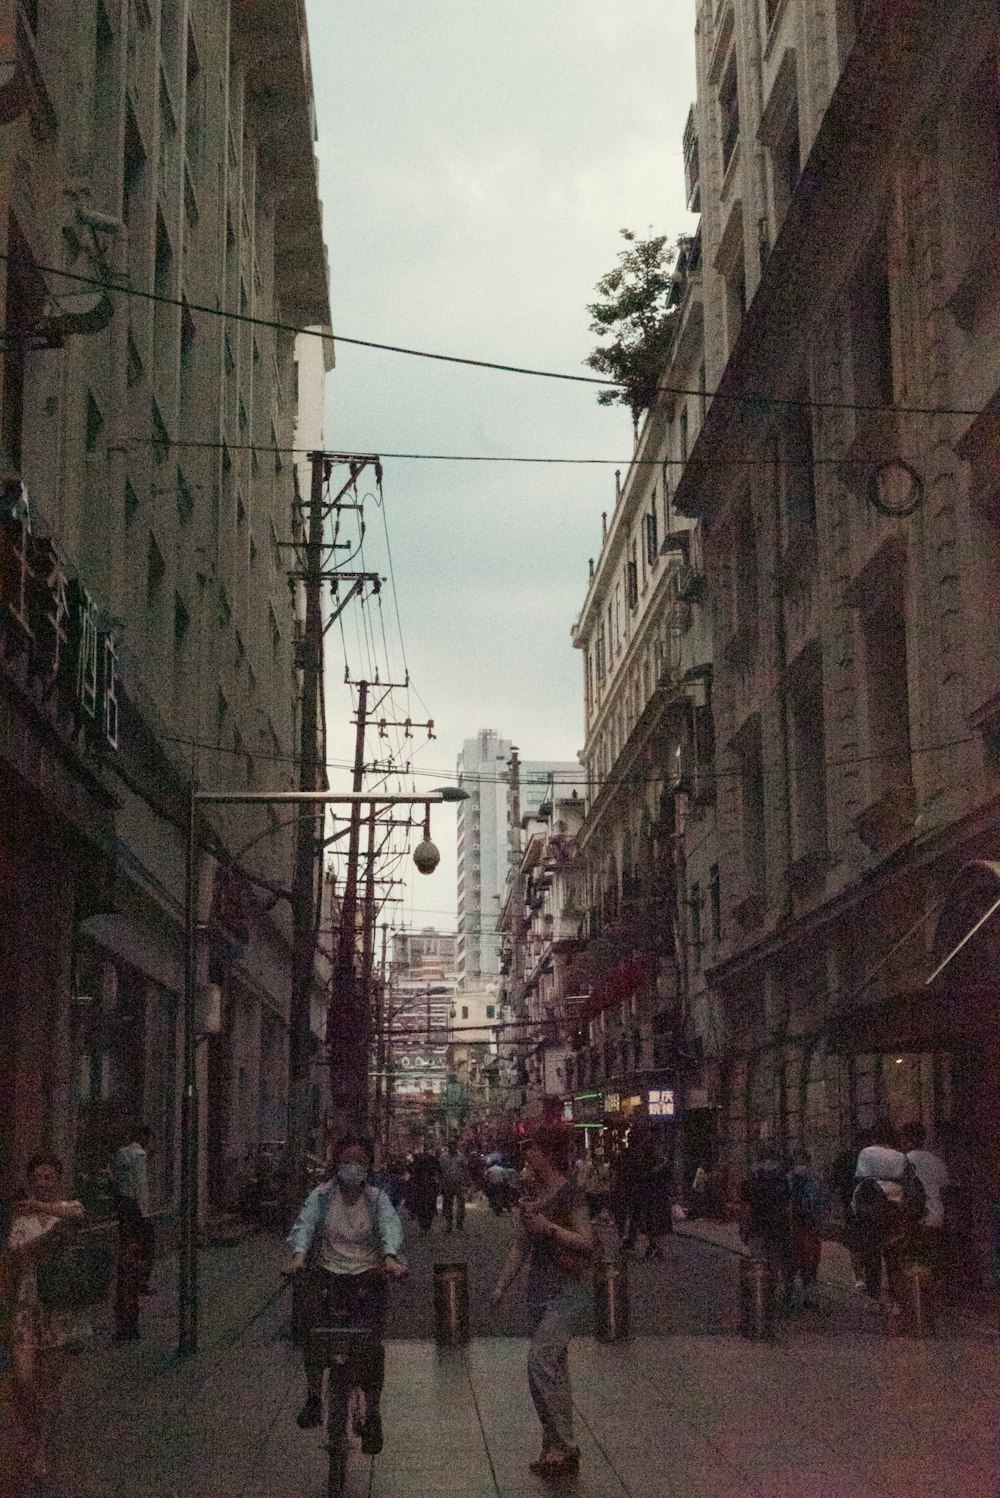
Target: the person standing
pixel 807 1211
pixel 555 1243
pixel 454 1185
pixel 136 1239
pixel 765 1224
pixel 879 1205
pixel 42 1336
pixel 933 1175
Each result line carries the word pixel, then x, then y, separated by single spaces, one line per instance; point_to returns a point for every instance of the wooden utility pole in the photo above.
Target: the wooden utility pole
pixel 308 842
pixel 380 1046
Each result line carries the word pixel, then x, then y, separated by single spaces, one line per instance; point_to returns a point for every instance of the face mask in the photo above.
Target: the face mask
pixel 351 1175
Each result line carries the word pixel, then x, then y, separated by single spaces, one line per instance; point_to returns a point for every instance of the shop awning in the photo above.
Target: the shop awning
pixel 153 951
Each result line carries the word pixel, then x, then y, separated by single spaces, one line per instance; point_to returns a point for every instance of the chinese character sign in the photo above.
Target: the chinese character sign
pixel 661 1102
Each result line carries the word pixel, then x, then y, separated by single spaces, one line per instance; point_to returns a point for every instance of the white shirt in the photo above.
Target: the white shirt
pixel 933 1173
pixel 885 1166
pixel 131 1175
pixel 350 1241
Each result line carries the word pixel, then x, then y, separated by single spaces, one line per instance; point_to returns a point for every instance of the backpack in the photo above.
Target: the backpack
pixel 914 1195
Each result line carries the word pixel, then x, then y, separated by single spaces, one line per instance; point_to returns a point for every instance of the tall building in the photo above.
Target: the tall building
pixel 487 823
pixel 792 715
pixel 417 1018
pixel 156 164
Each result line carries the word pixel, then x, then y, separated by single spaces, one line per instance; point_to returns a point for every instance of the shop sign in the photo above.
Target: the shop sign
pixel 567 1111
pixel 588 1107
pixel 661 1102
pixel 612 1102
pixel 57 622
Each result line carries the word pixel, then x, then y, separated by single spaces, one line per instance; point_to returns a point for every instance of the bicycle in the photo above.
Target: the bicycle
pixel 339 1350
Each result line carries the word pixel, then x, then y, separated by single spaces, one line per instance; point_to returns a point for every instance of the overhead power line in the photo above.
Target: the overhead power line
pixel 543 374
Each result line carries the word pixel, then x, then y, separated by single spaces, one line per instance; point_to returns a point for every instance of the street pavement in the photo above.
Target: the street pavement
pixel 837 1407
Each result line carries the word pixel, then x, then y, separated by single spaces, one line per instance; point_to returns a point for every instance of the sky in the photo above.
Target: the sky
pixel 476 165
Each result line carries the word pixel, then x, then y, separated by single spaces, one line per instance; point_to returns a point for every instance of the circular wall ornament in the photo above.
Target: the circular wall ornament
pixel 896 489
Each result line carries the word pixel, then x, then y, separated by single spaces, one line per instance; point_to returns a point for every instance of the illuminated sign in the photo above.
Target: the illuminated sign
pixel 661 1102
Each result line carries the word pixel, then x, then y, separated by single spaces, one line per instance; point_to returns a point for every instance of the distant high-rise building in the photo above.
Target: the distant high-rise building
pixel 486 825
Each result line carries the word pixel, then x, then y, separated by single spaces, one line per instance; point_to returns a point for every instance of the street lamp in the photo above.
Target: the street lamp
pixel 188 1255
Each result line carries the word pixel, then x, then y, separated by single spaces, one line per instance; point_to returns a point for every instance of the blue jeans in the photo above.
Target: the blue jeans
pixel 555 1321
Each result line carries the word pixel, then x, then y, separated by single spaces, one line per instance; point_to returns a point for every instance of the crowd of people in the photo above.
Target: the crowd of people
pixel 892 1192
pixel 887 1197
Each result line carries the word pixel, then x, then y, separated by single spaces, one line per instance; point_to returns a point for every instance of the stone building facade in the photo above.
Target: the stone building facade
pixel 159 204
pixel 849 525
pixel 841 482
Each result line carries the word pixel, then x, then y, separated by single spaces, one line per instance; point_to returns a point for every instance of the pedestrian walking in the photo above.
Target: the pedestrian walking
pixel 136 1237
pixel 765 1225
pixel 554 1241
pixel 43 1331
pixel 930 1237
pixel 657 1208
pixel 454 1185
pixel 698 1193
pixel 807 1208
pixel 842 1181
pixel 499 1186
pixel 423 1189
pixel 885 1205
pixel 348 1238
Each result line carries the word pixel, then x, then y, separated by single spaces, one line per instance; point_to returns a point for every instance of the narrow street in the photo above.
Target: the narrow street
pixel 671 1411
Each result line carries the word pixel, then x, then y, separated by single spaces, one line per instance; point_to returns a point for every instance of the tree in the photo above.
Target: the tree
pixel 635 310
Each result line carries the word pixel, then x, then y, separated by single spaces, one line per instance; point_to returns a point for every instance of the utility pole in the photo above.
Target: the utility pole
pixel 308 840
pixel 309 569
pixel 344 1022
pixel 380 1045
pixel 367 960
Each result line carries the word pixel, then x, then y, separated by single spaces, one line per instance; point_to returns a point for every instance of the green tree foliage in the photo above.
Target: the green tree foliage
pixel 635 313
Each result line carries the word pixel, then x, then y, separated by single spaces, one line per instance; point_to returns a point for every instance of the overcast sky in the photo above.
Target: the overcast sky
pixel 476 164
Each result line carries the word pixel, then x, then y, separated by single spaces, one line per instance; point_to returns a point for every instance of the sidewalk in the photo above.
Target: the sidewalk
pixel 663 1417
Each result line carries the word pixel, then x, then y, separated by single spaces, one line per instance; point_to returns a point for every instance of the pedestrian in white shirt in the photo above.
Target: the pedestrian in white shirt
pixel 136 1240
pixel 933 1173
pixel 878 1209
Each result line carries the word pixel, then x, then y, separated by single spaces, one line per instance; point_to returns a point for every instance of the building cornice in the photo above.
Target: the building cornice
pixel 874 100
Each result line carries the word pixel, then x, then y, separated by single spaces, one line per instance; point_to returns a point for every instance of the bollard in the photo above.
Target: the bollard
pixel 757 1295
pixel 611 1299
pixel 918 1306
pixel 451 1304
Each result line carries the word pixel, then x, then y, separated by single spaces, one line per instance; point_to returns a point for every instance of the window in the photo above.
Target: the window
pixel 94 424
pixel 465 1011
pixel 729 112
pixel 155 569
pixel 871 327
pixel 163 312
pixel 131 505
pixel 887 698
pixel 23 307
pixel 632 580
pixel 491 1011
pixel 134 173
pixel 744 564
pixel 694 902
pixel 807 755
pixel 652 538
pixel 786 162
pixel 795 467
pixel 752 822
pixel 715 901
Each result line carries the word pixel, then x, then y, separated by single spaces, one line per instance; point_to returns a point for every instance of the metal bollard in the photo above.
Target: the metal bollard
pixel 611 1299
pixel 451 1304
pixel 919 1305
pixel 757 1297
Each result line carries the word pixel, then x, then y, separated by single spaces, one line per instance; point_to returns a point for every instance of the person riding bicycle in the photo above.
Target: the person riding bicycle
pixel 348 1234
